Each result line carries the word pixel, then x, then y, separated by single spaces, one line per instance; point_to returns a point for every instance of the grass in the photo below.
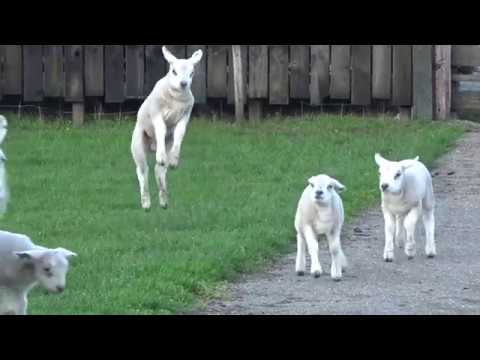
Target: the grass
pixel 232 201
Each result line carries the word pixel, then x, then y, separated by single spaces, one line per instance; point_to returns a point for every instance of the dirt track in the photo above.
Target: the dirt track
pixel 447 284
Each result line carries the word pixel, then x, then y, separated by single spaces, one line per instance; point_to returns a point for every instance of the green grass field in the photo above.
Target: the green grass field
pixel 231 209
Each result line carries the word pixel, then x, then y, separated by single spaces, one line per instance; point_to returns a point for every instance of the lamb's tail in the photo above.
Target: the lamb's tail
pixel 3 128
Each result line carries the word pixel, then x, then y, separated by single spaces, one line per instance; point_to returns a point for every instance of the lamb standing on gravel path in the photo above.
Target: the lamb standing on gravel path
pixel 407 193
pixel 23 265
pixel 320 211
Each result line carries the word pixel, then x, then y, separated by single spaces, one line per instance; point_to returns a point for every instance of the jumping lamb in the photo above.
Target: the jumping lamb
pixel 161 124
pixel 320 211
pixel 23 265
pixel 407 193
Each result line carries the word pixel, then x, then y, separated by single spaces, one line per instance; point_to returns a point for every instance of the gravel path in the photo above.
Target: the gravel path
pixel 447 284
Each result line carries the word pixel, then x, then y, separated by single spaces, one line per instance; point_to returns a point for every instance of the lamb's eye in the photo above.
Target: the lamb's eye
pixel 329 187
pixel 397 175
pixel 191 75
pixel 174 72
pixel 48 271
pixel 311 185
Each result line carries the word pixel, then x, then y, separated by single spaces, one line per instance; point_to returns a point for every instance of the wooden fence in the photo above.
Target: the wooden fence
pixel 282 75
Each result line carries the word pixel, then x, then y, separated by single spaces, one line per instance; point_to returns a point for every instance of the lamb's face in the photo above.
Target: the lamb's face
pixel 391 175
pixel 50 267
pixel 181 71
pixel 322 188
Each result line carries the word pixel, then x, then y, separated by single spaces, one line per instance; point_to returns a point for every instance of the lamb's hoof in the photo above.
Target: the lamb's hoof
pixel 317 274
pixel 410 257
pixel 388 259
pixel 337 278
pixel 430 256
pixel 300 273
pixel 164 206
pixel 146 209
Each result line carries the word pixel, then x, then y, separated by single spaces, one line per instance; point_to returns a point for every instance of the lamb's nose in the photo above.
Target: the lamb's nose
pixel 60 289
pixel 319 193
pixel 183 84
pixel 384 187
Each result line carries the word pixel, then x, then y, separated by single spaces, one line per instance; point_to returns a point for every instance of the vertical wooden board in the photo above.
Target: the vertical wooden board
pixel 74 73
pixel 382 72
pixel 94 73
pixel 179 51
pixel 155 66
pixel 422 81
pixel 199 82
pixel 300 71
pixel 12 69
pixel 217 71
pixel 402 75
pixel 319 73
pixel 361 74
pixel 465 55
pixel 54 80
pixel 258 71
pixel 2 60
pixel 114 74
pixel 135 71
pixel 340 69
pixel 32 73
pixel 278 75
pixel 230 83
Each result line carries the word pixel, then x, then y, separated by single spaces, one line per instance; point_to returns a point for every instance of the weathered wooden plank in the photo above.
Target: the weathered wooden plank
pixel 135 71
pixel 299 71
pixel 94 73
pixel 382 72
pixel 422 82
pixel 319 73
pixel 32 73
pixel 278 76
pixel 217 71
pixel 443 83
pixel 114 71
pixel 12 69
pixel 155 66
pixel 465 100
pixel 230 81
pixel 199 82
pixel 361 74
pixel 340 68
pixel 258 71
pixel 465 55
pixel 465 77
pixel 54 78
pixel 402 75
pixel 74 73
pixel 238 80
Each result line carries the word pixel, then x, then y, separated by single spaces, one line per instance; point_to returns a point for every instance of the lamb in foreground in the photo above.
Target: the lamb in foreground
pixel 407 194
pixel 23 265
pixel 320 211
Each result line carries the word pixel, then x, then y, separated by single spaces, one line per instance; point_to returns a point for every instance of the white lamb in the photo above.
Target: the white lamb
pixel 24 265
pixel 320 211
pixel 4 193
pixel 407 193
pixel 161 124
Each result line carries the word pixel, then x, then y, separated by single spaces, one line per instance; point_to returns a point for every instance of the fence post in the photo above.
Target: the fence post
pixel 443 81
pixel 78 114
pixel 238 82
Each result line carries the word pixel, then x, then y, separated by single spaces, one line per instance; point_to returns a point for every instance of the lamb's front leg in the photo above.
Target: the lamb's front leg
pixel 399 231
pixel 178 135
pixel 388 252
pixel 161 158
pixel 312 244
pixel 338 258
pixel 410 223
pixel 300 263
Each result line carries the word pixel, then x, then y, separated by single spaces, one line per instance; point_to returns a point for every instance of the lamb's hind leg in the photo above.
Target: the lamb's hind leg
pixel 139 155
pixel 429 224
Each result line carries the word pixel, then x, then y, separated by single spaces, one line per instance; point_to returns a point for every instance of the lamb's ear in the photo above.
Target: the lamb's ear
pixel 310 181
pixel 196 57
pixel 168 55
pixel 339 187
pixel 417 158
pixel 2 156
pixel 65 252
pixel 379 159
pixel 30 254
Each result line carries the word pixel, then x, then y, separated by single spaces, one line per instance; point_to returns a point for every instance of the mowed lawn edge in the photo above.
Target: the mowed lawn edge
pixel 231 209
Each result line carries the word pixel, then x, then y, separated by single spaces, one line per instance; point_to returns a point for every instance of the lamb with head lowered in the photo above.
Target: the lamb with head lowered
pixel 161 124
pixel 407 194
pixel 23 265
pixel 320 211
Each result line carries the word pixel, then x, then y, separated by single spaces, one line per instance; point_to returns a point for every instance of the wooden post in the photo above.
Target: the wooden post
pixel 238 82
pixel 443 81
pixel 77 114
